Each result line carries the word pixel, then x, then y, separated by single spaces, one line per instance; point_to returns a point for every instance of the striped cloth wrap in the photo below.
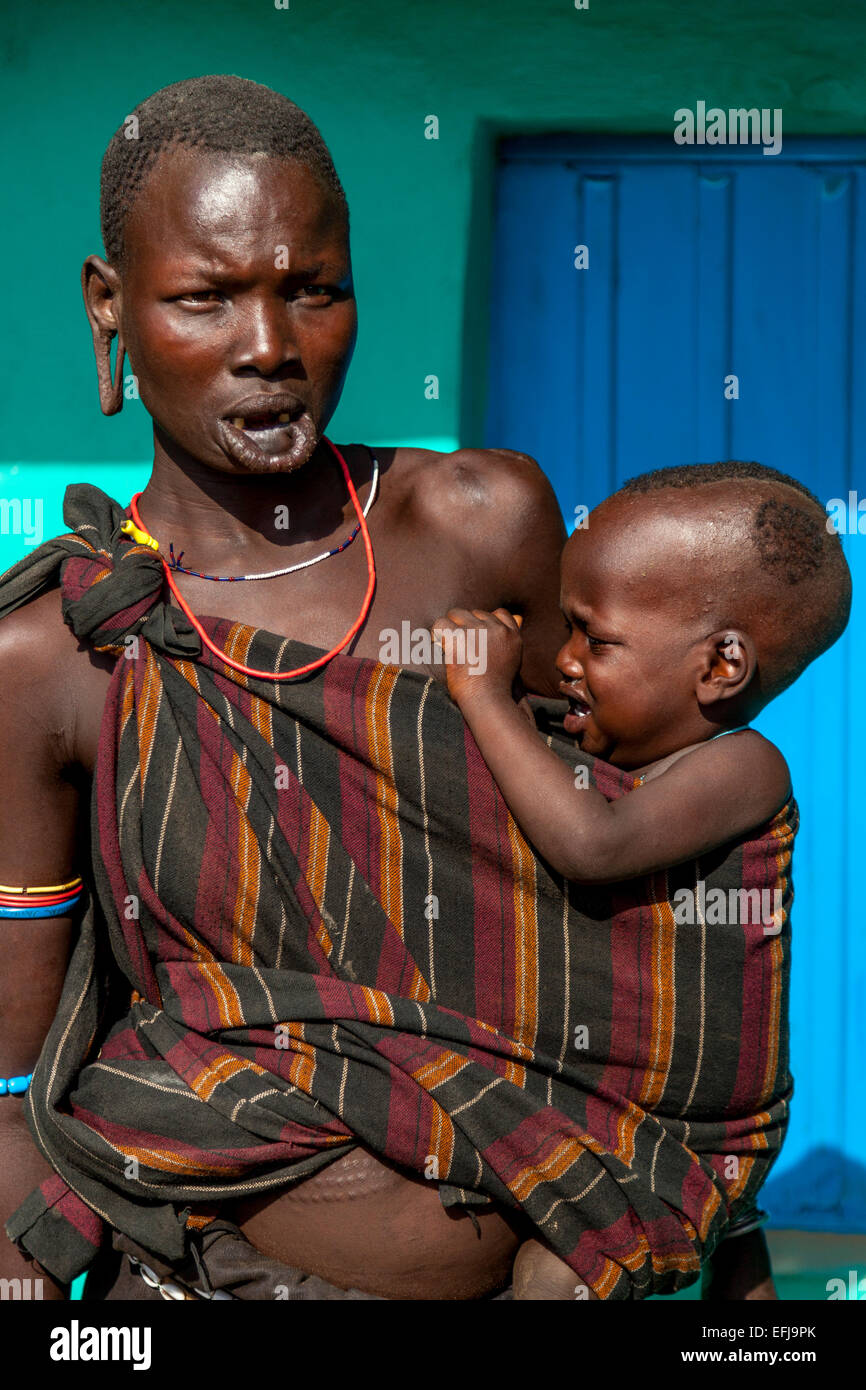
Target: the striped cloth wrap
pixel 311 921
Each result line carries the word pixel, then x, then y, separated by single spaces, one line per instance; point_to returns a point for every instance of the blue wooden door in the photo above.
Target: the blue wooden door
pixel 703 265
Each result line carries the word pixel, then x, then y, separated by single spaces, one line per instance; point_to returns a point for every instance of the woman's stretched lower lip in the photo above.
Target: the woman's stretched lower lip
pixel 242 449
pixel 245 451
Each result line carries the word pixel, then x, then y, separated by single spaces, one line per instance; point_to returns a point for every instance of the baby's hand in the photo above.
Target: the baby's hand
pixel 481 650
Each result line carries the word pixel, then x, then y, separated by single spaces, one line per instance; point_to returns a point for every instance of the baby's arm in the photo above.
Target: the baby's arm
pixel 716 793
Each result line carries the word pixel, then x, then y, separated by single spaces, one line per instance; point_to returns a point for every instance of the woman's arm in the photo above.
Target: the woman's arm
pixel 38 811
pixel 511 536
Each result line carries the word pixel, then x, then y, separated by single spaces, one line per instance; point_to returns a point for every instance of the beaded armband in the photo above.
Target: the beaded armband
pixel 48 900
pixel 52 900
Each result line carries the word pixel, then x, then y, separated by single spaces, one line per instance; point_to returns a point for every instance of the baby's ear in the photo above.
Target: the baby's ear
pixel 729 661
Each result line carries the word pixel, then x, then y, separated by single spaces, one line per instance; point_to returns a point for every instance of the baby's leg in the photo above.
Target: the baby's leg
pixel 739 1270
pixel 539 1274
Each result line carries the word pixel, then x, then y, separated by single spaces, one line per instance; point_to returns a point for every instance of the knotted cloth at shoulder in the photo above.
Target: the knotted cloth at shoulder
pixel 111 585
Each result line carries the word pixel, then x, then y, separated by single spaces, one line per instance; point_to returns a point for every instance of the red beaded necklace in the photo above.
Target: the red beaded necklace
pixel 312 665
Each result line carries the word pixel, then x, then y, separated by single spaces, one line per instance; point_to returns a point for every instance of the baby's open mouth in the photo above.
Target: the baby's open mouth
pixel 576 716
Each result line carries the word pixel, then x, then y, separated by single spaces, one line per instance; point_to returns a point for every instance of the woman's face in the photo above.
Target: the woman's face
pixel 237 308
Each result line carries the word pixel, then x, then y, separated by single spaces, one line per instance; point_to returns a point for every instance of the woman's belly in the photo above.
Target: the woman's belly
pixel 359 1223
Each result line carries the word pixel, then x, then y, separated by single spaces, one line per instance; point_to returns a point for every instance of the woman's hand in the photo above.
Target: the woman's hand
pixel 482 652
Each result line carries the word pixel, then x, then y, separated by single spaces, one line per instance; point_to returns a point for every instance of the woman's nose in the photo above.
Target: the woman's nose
pixel 267 341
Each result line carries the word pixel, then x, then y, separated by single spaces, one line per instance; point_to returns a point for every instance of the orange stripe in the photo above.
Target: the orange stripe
pixel 679 1261
pixel 164 1160
pixel 662 1032
pixel 249 878
pixel 262 718
pixel 442 1140
pixel 419 988
pixel 302 1067
pixel 525 939
pixel 317 870
pixel 238 643
pixel 446 1065
pixel 189 671
pixel 127 703
pixel 627 1126
pixel 758 1138
pixel 745 1164
pixel 147 709
pixel 516 1074
pixel 379 1006
pixel 196 1221
pixel 226 997
pixel 708 1213
pixel 604 1286
pixel 566 1153
pixel 385 796
pixel 213 1073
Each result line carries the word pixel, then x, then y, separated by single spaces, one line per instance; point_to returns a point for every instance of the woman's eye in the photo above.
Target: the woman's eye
pixel 200 296
pixel 596 641
pixel 321 293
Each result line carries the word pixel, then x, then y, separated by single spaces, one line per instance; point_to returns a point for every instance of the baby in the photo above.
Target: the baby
pixel 692 598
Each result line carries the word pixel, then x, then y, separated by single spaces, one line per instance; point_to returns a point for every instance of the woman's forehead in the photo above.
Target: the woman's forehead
pixel 206 198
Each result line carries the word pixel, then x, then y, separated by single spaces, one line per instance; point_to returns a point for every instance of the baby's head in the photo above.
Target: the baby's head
pixel 694 596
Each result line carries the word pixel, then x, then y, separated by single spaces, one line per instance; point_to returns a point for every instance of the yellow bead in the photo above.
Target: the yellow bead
pixel 129 528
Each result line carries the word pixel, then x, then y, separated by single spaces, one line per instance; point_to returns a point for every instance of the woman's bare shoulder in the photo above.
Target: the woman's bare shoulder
pixel 34 639
pixel 44 671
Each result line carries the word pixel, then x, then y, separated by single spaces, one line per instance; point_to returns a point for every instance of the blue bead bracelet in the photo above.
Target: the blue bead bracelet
pixel 15 1086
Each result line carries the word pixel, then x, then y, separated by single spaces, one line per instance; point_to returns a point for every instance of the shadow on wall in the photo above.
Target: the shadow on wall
pixel 825 1191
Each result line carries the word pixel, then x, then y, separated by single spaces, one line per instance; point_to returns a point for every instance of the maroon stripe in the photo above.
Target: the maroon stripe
pixel 493 924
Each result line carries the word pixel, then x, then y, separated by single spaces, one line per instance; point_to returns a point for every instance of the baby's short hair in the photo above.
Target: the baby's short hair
pixel 800 566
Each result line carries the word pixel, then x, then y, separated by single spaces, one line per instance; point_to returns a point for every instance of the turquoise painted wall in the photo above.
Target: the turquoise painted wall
pixel 368 74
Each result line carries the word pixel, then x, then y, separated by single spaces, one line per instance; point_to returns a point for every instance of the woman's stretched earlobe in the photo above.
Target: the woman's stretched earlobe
pixel 110 389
